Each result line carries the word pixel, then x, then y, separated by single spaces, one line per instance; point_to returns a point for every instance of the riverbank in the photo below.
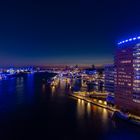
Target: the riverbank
pixel 93 101
pixel 134 119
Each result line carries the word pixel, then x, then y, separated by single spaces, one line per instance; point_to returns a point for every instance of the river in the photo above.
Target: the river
pixel 29 109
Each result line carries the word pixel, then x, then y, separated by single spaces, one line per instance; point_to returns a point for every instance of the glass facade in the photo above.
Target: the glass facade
pixel 136 79
pixel 127 76
pixel 109 79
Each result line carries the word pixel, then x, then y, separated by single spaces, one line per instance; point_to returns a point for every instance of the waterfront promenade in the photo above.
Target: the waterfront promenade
pixel 133 118
pixel 98 99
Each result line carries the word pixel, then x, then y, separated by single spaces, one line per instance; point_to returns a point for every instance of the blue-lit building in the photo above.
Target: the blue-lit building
pixel 127 77
pixel 109 78
pixel 109 71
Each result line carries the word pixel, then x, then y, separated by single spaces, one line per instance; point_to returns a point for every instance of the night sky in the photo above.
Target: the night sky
pixel 65 31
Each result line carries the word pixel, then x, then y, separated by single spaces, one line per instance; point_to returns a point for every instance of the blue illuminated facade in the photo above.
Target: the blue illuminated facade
pixel 109 83
pixel 109 78
pixel 127 76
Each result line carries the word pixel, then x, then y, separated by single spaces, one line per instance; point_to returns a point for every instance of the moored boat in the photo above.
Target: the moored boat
pixel 118 115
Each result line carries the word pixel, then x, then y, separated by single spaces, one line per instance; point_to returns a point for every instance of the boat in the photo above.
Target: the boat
pixel 118 115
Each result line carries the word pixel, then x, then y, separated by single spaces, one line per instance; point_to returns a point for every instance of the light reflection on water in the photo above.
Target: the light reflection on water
pixel 43 88
pixel 53 89
pixel 56 116
pixel 80 109
pixel 20 90
pixel 105 114
pixel 84 107
pixel 88 108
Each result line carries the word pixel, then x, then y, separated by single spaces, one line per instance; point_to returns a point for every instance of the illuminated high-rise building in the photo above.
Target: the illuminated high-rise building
pixel 127 77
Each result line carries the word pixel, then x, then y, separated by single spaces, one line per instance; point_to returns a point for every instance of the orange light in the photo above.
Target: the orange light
pixel 105 103
pixel 100 101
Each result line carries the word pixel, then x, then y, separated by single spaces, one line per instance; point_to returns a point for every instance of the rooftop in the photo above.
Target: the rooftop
pixel 129 40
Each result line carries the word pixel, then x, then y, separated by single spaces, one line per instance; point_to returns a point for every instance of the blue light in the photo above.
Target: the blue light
pixel 128 40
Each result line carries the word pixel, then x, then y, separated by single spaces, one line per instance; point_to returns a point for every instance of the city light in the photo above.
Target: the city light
pixel 129 40
pixel 100 101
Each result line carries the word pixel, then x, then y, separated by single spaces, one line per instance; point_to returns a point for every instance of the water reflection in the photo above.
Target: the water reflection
pixel 53 89
pixel 80 108
pixel 88 109
pixel 105 117
pixel 30 83
pixel 20 90
pixel 48 116
pixel 105 114
pixel 43 88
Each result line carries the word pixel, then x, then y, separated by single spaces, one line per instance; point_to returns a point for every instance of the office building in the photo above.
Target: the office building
pixel 127 76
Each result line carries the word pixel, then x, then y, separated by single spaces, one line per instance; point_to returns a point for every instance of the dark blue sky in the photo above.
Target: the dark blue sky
pixel 65 31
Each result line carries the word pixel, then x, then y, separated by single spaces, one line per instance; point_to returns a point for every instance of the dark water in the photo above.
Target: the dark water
pixel 31 110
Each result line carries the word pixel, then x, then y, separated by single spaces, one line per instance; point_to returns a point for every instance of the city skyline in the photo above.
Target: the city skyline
pixel 64 32
pixel 70 69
